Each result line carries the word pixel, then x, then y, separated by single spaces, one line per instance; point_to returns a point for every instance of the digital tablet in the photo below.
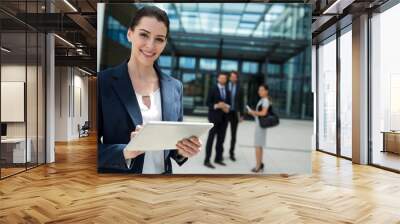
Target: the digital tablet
pixel 163 135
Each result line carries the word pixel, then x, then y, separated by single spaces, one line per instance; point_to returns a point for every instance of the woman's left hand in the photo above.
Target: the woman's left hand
pixel 189 147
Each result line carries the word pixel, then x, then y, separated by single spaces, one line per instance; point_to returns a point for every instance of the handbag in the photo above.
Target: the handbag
pixel 270 120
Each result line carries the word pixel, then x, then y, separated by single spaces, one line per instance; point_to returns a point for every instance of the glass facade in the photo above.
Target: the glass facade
pixel 334 138
pixel 250 67
pixel 22 78
pixel 327 95
pixel 346 93
pixel 187 62
pixel 229 65
pixel 274 69
pixel 385 89
pixel 165 61
pixel 208 64
pixel 208 19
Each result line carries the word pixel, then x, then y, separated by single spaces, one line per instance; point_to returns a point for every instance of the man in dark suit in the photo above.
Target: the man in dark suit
pixel 236 110
pixel 218 103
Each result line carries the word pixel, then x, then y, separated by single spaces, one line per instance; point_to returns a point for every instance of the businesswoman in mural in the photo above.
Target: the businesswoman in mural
pixel 136 92
pixel 260 133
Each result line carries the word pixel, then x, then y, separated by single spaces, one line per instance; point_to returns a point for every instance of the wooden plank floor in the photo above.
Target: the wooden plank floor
pixel 71 191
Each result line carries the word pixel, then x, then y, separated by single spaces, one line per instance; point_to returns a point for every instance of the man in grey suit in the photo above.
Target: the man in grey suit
pixel 235 114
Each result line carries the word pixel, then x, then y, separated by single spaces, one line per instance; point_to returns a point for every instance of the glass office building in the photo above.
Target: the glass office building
pixel 265 43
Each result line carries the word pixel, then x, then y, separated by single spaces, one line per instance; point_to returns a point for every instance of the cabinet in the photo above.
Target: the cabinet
pixel 391 141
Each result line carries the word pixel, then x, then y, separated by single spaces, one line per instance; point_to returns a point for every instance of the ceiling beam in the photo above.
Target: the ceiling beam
pixel 241 39
pixel 86 27
pixel 91 5
pixel 82 61
pixel 261 19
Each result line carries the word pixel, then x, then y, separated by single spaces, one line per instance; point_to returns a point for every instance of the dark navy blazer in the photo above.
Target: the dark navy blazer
pixel 217 116
pixel 119 113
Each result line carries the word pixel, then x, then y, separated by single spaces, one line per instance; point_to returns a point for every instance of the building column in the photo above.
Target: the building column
pixel 289 90
pixel 360 90
pixel 314 91
pixel 264 69
pixel 50 98
pixel 100 26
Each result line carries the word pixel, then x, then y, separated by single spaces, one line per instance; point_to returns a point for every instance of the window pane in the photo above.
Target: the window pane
pixel 208 64
pixel 187 62
pixel 117 32
pixel 327 96
pixel 229 65
pixel 188 80
pixel 250 67
pixel 273 69
pixel 165 61
pixel 346 93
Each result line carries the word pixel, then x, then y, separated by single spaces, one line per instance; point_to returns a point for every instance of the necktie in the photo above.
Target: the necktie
pixel 223 93
pixel 233 94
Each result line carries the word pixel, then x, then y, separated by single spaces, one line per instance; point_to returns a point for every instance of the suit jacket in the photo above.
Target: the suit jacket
pixel 214 96
pixel 119 113
pixel 238 98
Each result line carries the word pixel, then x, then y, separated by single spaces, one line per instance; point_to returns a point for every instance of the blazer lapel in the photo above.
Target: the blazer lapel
pixel 166 100
pixel 122 85
pixel 218 92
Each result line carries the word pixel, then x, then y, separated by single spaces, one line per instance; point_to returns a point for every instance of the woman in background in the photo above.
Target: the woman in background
pixel 260 133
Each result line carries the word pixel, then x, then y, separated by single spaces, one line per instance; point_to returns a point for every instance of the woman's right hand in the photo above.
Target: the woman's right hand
pixel 133 154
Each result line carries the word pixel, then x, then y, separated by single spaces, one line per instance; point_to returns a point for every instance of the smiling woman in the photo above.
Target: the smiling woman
pixel 149 31
pixel 136 92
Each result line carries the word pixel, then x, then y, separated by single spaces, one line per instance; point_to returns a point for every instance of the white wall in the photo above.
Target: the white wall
pixel 79 117
pixel 71 93
pixel 61 103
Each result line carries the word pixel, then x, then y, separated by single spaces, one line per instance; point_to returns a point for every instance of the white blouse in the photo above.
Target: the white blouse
pixel 153 160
